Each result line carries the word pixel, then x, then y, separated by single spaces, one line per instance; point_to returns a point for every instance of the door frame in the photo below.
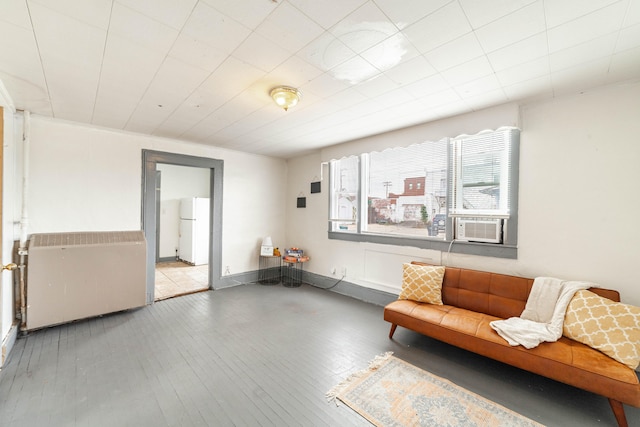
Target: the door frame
pixel 150 159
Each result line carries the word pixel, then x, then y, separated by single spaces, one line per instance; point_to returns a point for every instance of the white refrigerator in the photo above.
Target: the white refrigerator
pixel 193 242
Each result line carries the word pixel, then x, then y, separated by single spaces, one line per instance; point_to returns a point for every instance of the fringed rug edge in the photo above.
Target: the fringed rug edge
pixel 375 364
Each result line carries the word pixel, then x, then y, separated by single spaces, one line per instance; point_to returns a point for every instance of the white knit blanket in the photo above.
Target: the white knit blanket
pixel 543 316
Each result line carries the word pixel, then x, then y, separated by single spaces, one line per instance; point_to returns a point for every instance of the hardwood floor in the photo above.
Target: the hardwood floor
pixel 249 355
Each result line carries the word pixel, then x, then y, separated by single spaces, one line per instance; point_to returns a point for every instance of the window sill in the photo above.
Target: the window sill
pixel 458 246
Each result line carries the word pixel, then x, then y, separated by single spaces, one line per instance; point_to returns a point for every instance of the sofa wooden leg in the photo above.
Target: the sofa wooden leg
pixel 393 329
pixel 618 411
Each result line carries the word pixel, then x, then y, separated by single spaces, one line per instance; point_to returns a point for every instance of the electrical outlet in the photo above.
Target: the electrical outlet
pixel 344 271
pixel 227 271
pixel 333 271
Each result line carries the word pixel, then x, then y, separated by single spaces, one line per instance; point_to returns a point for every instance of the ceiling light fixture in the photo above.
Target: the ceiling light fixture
pixel 285 96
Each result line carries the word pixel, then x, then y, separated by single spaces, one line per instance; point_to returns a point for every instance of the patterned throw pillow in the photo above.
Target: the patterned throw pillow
pixel 422 283
pixel 608 326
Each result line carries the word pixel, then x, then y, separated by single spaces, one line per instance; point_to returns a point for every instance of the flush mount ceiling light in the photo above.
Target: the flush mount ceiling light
pixel 285 96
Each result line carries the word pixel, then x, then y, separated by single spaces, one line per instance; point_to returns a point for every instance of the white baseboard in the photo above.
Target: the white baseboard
pixel 7 344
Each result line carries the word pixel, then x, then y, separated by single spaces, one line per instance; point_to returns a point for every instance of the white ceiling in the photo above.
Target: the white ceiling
pixel 201 70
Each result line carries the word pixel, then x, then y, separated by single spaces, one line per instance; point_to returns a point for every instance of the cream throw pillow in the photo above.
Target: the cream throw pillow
pixel 608 326
pixel 422 283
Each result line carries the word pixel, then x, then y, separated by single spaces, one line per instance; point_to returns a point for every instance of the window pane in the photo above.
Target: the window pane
pixel 406 190
pixel 482 173
pixel 344 194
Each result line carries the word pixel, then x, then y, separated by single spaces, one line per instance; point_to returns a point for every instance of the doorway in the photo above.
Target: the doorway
pixel 155 163
pixel 182 230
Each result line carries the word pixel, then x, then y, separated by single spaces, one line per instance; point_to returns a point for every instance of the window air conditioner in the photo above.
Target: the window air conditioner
pixel 487 230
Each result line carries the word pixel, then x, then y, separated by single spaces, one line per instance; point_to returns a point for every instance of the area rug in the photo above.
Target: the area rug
pixel 392 392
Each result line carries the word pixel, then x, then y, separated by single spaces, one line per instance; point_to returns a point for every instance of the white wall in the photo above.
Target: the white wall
pixel 579 169
pixel 89 179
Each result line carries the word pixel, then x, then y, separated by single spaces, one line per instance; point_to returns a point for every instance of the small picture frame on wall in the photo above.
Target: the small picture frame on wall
pixel 302 202
pixel 315 187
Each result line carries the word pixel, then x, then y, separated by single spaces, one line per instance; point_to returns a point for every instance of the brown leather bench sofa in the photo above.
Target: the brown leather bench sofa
pixel 473 298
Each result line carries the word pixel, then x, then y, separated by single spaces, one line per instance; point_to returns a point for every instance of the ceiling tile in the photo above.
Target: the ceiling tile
pixel 440 98
pixel 633 13
pixel 71 54
pixel 407 12
pixel 289 28
pixel 196 53
pixel 512 28
pixel 250 122
pixel 539 87
pixel 261 52
pixel 364 28
pixel 113 109
pixel 174 82
pixel 588 27
pixel 395 97
pixel 442 26
pixel 561 12
pixel 425 87
pixel 169 12
pixel 172 127
pixel 390 52
pixel 486 99
pixel 378 86
pixel 93 12
pixel 482 13
pixel 142 65
pixel 327 16
pixel 325 85
pixel 249 13
pixel 65 39
pixel 629 38
pixel 523 72
pixel 584 52
pixel 479 86
pixel 126 83
pixel 347 98
pixel 468 71
pixel 147 117
pixel 455 52
pixel 520 52
pixel 21 58
pixel 140 29
pixel 210 26
pixel 186 116
pixel 16 13
pixel 295 71
pixel 355 70
pixel 411 71
pixel 326 52
pixel 232 77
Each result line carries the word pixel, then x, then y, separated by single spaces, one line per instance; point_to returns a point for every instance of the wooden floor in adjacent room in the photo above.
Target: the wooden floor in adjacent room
pixel 176 278
pixel 250 355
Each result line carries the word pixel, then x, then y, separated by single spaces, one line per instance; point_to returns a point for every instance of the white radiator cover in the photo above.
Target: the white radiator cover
pixel 73 276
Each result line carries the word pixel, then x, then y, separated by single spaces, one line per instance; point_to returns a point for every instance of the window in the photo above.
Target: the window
pixel 480 171
pixel 423 192
pixel 345 182
pixel 403 189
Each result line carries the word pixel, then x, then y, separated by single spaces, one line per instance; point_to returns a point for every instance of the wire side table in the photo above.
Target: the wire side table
pixel 292 272
pixel 269 270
